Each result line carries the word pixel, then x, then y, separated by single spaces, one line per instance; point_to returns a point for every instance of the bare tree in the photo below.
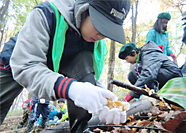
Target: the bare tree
pixel 3 12
pixel 134 21
pixel 111 65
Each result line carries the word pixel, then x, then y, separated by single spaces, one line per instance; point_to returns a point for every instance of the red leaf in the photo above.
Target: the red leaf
pixel 173 124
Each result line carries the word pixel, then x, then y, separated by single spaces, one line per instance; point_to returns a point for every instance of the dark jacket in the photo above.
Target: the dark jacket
pixel 184 35
pixel 6 53
pixel 153 62
pixel 36 100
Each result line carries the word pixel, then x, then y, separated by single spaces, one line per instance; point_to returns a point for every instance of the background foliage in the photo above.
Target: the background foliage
pixel 18 11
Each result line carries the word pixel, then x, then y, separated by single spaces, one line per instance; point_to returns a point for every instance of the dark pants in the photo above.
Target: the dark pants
pixel 26 115
pixel 37 109
pixel 80 68
pixel 42 109
pixel 132 77
pixel 9 90
pixel 159 82
pixel 183 69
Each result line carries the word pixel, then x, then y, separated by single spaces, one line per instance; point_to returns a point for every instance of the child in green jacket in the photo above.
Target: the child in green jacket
pixel 63 113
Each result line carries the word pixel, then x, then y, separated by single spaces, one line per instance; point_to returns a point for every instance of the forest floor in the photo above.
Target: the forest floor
pixel 159 119
pixel 10 123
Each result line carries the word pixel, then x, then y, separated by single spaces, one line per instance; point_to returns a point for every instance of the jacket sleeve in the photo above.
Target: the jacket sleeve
pixel 184 35
pixel 150 36
pixel 29 59
pixel 151 64
pixel 6 52
pixel 167 47
pixel 65 115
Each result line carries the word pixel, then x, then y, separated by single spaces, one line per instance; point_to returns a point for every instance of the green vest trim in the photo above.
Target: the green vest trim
pixel 137 60
pixel 59 38
pixel 100 49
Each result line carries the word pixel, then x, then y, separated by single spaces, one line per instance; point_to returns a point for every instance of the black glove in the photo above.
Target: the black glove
pixel 59 114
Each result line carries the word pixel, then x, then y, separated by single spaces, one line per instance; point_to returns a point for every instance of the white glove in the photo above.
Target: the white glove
pixel 59 121
pixel 89 97
pixel 114 115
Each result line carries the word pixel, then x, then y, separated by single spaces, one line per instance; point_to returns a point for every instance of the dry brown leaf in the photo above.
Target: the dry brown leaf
pixel 171 125
pixel 116 104
pixel 117 128
pixel 97 130
pixel 114 131
pixel 159 125
pixel 139 123
pixel 155 111
pixel 163 115
pixel 126 131
pixel 144 131
pixel 131 123
pixel 176 107
pixel 181 116
pixel 161 104
pixel 130 118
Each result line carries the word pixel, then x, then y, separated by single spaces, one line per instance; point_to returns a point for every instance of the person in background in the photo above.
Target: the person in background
pixel 52 115
pixel 27 106
pixel 40 107
pixel 62 50
pixel 183 67
pixel 10 89
pixel 184 24
pixel 158 34
pixel 151 66
pixel 63 113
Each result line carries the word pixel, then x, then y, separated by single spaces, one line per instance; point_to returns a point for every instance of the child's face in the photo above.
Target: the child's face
pixel 89 33
pixel 164 22
pixel 61 104
pixel 131 59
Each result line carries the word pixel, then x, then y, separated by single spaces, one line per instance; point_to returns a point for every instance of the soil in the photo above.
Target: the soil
pixel 10 123
pixel 159 117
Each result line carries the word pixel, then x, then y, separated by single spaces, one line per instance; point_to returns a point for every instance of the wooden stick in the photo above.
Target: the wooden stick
pixel 141 91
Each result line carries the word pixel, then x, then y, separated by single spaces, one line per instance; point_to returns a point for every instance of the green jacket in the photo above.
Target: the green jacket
pixel 65 112
pixel 159 39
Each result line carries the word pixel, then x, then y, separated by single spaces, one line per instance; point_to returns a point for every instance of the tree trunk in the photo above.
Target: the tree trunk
pixel 111 65
pixel 3 12
pixel 134 20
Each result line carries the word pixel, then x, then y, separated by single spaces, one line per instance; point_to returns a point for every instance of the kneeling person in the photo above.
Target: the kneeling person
pixel 63 113
pixel 150 66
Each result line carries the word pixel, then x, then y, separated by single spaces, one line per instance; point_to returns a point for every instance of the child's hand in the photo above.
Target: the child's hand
pixel 89 97
pixel 114 116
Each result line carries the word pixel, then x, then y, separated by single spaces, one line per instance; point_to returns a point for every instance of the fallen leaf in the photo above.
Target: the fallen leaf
pixel 173 124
